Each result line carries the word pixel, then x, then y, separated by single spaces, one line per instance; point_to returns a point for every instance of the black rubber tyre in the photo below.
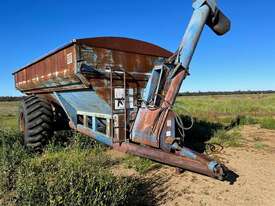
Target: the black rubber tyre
pixel 36 122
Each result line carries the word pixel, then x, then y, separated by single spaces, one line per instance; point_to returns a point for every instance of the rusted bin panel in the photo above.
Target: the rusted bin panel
pixel 132 55
pixel 66 67
pixel 53 70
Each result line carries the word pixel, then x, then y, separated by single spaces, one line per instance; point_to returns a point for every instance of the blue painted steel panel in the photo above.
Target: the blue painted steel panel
pixel 68 108
pixel 97 136
pixel 152 84
pixel 88 102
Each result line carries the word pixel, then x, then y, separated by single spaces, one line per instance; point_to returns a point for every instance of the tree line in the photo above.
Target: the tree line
pixel 224 93
pixel 11 98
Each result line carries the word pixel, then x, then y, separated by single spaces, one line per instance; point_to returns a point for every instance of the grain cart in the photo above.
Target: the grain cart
pixel 118 91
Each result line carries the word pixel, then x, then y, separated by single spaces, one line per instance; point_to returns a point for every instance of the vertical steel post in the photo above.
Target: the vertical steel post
pixel 94 123
pixel 85 121
pixel 108 128
pixel 112 119
pixel 125 106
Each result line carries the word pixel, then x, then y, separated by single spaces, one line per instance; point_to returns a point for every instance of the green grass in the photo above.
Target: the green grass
pixel 9 114
pixel 248 120
pixel 268 123
pixel 141 165
pixel 259 145
pixel 225 108
pixel 71 177
pixel 227 138
pixel 9 108
pixel 76 173
pixel 8 122
pixel 74 170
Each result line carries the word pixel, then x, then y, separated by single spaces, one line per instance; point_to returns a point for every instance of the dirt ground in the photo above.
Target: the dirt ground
pixel 254 163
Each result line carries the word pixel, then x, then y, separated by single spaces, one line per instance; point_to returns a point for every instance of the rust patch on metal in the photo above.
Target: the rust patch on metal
pixel 60 69
pixel 127 45
pixel 55 71
pixel 164 157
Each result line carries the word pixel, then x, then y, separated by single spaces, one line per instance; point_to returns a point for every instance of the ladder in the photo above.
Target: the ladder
pixel 118 74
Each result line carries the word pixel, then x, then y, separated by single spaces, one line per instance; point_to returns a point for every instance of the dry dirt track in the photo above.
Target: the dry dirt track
pixel 255 185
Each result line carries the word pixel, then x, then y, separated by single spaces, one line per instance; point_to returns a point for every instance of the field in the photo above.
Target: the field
pixel 8 114
pixel 74 170
pixel 225 109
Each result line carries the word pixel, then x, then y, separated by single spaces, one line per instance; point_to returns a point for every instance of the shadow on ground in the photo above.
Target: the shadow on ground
pixel 200 133
pixel 203 131
pixel 154 191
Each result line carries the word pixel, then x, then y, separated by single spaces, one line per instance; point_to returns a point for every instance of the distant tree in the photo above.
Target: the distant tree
pixel 10 98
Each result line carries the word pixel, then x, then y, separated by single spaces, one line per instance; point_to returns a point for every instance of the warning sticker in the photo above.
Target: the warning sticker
pixel 120 98
pixel 69 58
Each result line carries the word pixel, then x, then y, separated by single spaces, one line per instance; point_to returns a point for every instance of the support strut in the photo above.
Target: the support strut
pixel 176 160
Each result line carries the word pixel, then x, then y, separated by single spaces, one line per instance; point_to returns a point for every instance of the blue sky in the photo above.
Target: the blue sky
pixel 244 59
